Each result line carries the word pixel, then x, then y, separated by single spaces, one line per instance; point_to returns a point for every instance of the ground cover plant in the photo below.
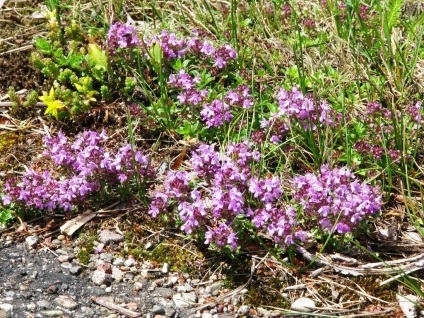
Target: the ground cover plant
pixel 293 128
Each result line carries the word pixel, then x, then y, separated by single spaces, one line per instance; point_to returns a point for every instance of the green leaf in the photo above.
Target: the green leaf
pixel 44 46
pixel 394 9
pixel 156 57
pixel 98 56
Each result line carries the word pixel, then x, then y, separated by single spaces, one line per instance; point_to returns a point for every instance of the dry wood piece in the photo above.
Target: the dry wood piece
pixel 71 226
pixel 112 306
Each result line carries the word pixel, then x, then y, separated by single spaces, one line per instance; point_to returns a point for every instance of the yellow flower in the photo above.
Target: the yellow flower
pixel 52 104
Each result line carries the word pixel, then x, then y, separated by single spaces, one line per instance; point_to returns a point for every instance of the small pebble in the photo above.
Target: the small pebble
pixel 303 304
pixel 165 268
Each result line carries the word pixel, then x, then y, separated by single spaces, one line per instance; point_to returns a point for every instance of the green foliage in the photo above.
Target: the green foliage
pixel 7 215
pixel 78 70
pixel 393 12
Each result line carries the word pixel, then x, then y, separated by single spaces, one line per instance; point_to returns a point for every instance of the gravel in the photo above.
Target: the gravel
pixel 38 281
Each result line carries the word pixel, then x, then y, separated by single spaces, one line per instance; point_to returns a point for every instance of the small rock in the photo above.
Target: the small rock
pixel 179 301
pixel 165 268
pixel 408 304
pixel 303 304
pixel 148 246
pixel 181 289
pixel 214 289
pixel 206 314
pixel 6 310
pixel 107 237
pixel 129 262
pixel 51 289
pixel 66 265
pixel 87 311
pixel 44 304
pixel 31 307
pixel 56 242
pixel 188 287
pixel 132 306
pixel 61 237
pixel 244 310
pixel 75 270
pixel 108 290
pixel 117 274
pixel 63 258
pixel 106 257
pixel 100 277
pixel 31 240
pixel 105 267
pixel 51 313
pixel 119 261
pixel 66 302
pixel 138 286
pixel 61 251
pixel 158 310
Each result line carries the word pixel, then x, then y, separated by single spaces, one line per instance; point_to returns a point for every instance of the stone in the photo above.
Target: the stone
pixel 206 314
pixel 119 261
pixel 107 257
pixel 303 304
pixel 31 240
pixel 138 286
pixel 166 293
pixel 105 267
pixel 158 310
pixel 56 242
pixel 75 270
pixel 61 237
pixel 66 265
pixel 190 297
pixel 117 274
pixel 31 307
pixel 44 304
pixel 165 268
pixel 6 310
pixel 87 311
pixel 63 258
pixel 243 310
pixel 213 289
pixel 129 262
pixel 107 237
pixel 100 277
pixel 51 313
pixel 66 302
pixel 184 300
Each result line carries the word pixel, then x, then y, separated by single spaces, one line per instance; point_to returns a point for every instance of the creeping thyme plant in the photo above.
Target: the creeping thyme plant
pixel 281 155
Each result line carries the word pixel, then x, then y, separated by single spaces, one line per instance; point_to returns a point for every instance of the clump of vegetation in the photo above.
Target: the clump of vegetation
pixel 86 247
pixel 288 134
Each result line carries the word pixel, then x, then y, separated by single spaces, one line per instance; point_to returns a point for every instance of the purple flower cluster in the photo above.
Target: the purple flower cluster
pixel 189 93
pixel 217 112
pixel 293 108
pixel 123 36
pixel 241 97
pixel 297 107
pixel 80 169
pixel 231 191
pixel 335 198
pixel 172 46
pixel 415 114
pixel 379 121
